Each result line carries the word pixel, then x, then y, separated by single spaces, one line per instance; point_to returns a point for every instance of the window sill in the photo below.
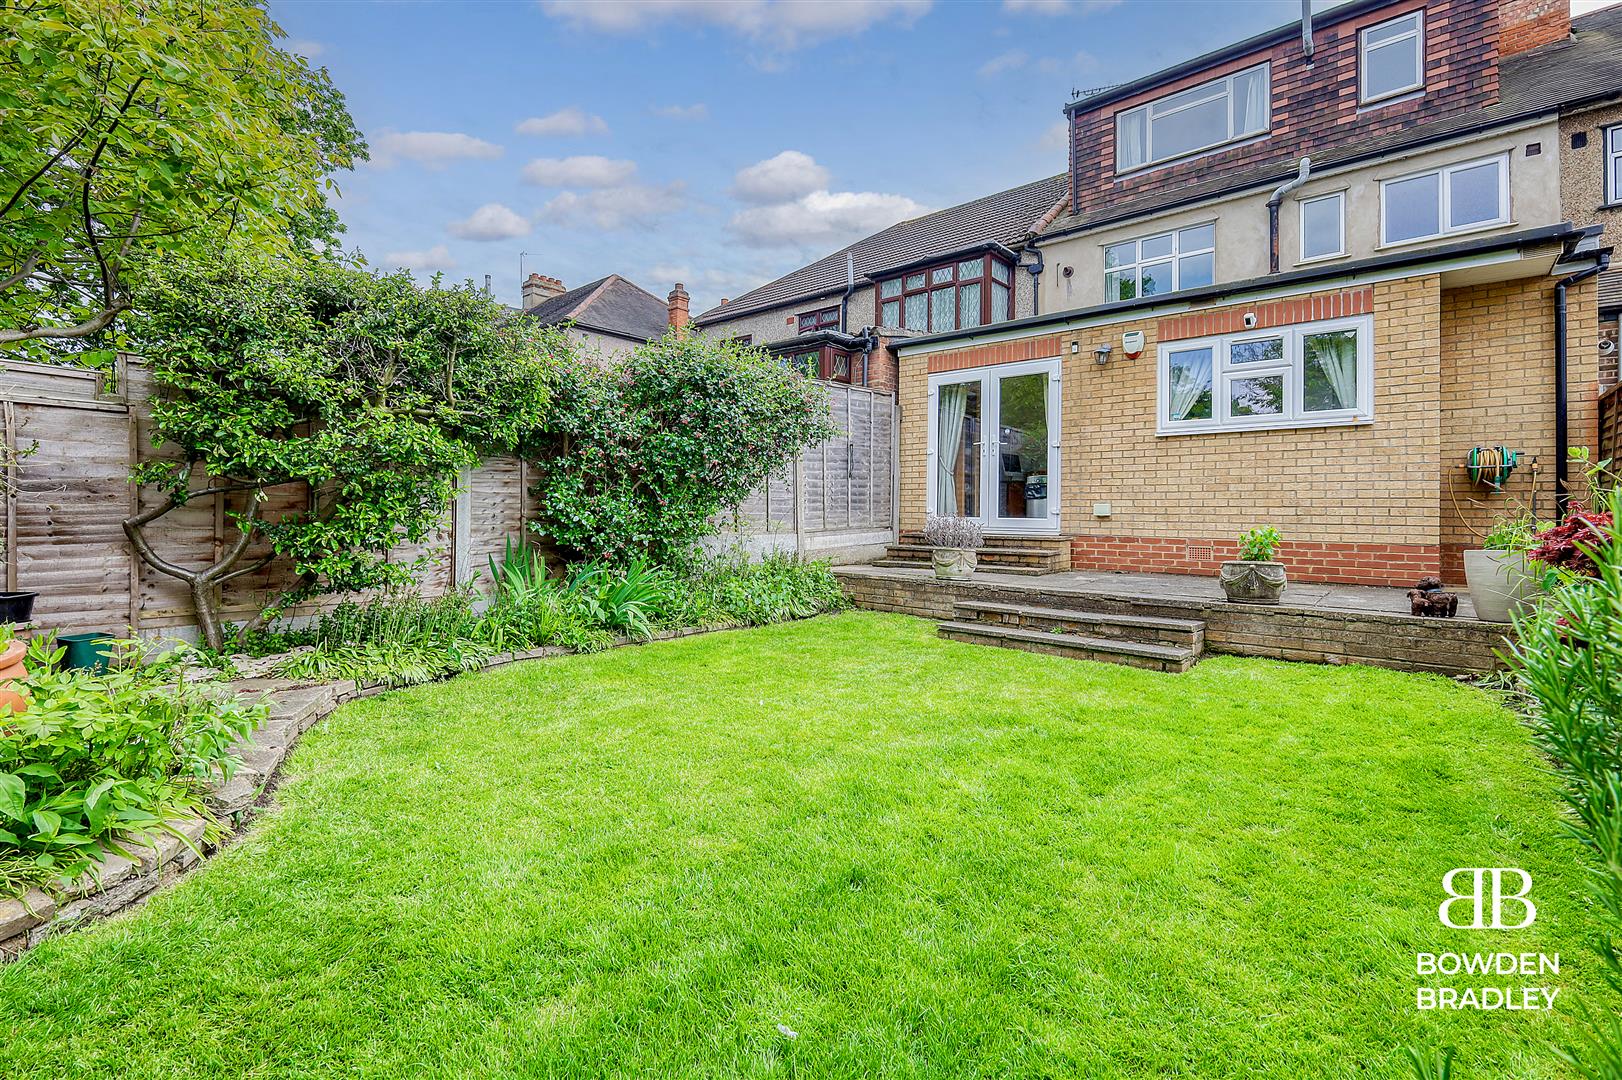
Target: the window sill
pixel 1396 97
pixel 1490 226
pixel 1316 259
pixel 1213 428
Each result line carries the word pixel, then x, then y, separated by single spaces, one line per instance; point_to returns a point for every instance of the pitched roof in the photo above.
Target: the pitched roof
pixel 611 305
pixel 1003 218
pixel 1587 67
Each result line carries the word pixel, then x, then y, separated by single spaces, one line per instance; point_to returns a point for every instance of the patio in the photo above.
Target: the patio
pixel 1315 622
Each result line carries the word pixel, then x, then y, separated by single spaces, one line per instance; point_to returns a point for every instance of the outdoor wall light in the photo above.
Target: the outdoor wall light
pixel 1101 354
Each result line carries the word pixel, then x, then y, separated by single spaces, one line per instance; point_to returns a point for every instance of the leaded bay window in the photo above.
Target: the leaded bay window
pixel 1309 375
pixel 1164 262
pixel 1201 118
pixel 957 295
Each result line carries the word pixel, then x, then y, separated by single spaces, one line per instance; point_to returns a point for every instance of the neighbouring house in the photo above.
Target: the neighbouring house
pixel 1299 278
pixel 610 315
pixel 972 265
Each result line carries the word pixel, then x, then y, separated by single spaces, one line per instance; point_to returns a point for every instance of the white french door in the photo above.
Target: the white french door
pixel 994 446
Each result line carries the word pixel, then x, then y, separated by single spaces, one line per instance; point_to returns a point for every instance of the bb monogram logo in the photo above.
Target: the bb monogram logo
pixel 1486 883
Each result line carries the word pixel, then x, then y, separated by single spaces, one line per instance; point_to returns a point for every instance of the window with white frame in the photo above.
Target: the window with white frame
pixel 1613 164
pixel 1164 262
pixel 1307 375
pixel 1323 226
pixel 1200 118
pixel 1391 58
pixel 1460 198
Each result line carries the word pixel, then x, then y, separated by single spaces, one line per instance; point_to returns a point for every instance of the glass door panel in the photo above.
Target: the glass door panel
pixel 958 444
pixel 1022 447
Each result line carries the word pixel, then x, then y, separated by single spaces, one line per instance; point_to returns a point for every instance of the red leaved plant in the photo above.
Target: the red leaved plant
pixel 1559 546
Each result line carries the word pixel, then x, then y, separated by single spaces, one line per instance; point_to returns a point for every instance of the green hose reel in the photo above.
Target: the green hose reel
pixel 1491 465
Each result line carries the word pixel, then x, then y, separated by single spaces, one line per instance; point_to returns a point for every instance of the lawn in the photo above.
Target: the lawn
pixel 840 848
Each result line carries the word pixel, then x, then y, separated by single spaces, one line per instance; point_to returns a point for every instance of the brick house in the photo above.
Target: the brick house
pixel 609 316
pixel 1298 280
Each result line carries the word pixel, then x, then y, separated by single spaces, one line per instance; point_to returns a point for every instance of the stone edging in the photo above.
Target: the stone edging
pixel 119 882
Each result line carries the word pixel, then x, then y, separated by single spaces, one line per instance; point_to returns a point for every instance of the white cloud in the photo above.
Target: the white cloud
pixel 437 257
pixel 1056 139
pixel 1008 61
pixel 697 111
pixel 569 121
pixel 614 207
pixel 783 24
pixel 433 149
pixel 588 171
pixel 308 49
pixel 789 175
pixel 1058 7
pixel 822 218
pixel 492 221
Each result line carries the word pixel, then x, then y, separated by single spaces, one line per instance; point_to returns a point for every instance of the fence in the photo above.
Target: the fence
pixel 838 499
pixel 1610 424
pixel 67 499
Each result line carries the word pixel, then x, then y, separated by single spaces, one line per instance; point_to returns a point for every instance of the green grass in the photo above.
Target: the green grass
pixel 924 858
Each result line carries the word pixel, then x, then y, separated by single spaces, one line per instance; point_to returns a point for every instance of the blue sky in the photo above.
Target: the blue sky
pixel 719 143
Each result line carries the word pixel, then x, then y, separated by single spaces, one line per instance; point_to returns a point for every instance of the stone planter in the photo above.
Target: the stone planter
pixel 1500 584
pixel 1253 582
pixel 955 564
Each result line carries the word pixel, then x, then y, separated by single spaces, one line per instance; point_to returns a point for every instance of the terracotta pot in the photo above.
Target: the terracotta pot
pixel 954 564
pixel 11 670
pixel 1247 582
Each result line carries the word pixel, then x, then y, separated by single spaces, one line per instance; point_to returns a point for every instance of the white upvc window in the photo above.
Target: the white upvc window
pixel 1164 262
pixel 1613 164
pixel 1323 226
pixel 1456 199
pixel 1308 375
pixel 1190 121
pixel 1391 58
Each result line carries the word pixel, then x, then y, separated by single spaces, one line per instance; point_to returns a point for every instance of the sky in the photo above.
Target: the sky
pixel 720 143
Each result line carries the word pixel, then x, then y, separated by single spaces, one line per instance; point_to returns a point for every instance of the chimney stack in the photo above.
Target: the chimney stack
pixel 677 305
pixel 538 289
pixel 1526 24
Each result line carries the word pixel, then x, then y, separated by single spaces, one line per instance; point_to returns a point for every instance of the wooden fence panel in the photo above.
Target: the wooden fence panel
pixel 1610 425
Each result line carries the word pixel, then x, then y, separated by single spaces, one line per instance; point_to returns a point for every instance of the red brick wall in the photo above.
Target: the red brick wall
pixel 1357 564
pixel 1346 303
pixel 1526 24
pixel 1315 106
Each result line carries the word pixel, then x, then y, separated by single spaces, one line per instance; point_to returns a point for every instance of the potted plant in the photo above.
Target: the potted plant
pixel 1254 578
pixel 16 607
pixel 1501 584
pixel 956 541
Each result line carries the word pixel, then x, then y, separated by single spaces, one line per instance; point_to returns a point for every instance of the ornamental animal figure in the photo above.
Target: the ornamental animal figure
pixel 1427 598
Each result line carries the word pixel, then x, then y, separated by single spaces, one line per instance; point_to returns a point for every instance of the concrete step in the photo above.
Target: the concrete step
pixel 1167 658
pixel 1151 630
pixel 924 564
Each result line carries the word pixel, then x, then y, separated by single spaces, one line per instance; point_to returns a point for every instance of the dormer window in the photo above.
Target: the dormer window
pixel 1192 121
pixel 1391 58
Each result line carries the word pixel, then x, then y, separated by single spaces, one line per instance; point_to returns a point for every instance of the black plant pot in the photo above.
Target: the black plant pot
pixel 16 607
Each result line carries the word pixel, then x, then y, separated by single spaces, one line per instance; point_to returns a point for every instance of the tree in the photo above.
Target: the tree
pixel 640 458
pixel 135 129
pixel 370 391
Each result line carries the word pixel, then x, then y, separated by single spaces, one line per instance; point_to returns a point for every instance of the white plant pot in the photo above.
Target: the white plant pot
pixel 954 564
pixel 1500 584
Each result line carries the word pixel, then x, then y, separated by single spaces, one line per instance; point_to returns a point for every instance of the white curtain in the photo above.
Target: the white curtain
pixel 1190 377
pixel 952 407
pixel 1336 356
pixel 1255 102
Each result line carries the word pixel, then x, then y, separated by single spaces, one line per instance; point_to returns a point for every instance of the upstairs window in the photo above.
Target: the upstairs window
pixel 1323 227
pixel 1391 57
pixel 1460 198
pixel 826 319
pixel 957 295
pixel 1165 262
pixel 1201 118
pixel 1613 165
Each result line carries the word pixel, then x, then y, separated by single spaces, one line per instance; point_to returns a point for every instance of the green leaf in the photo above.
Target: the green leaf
pixel 13 796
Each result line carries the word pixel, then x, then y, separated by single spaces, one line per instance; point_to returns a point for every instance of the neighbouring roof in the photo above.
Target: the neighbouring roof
pixel 1585 68
pixel 609 305
pixel 1003 218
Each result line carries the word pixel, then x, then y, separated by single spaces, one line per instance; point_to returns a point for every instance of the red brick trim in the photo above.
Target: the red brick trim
pixel 1352 564
pixel 1299 309
pixel 1006 352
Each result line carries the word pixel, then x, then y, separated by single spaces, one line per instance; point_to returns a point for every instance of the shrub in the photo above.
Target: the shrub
pixel 1259 544
pixel 104 759
pixel 629 601
pixel 953 532
pixel 1570 545
pixel 639 459
pixel 778 588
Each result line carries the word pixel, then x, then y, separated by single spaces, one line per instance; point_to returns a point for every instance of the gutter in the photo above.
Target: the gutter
pixel 1562 432
pixel 1224 290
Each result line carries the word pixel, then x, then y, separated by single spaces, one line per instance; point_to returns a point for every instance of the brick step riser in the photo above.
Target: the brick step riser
pixel 1073 652
pixel 1090 625
pixel 1045 559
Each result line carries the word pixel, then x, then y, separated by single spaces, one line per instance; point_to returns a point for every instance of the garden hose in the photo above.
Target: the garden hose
pixel 1491 465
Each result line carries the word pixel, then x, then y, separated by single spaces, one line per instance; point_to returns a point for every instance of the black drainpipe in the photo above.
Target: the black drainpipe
pixel 1272 211
pixel 1035 269
pixel 1562 438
